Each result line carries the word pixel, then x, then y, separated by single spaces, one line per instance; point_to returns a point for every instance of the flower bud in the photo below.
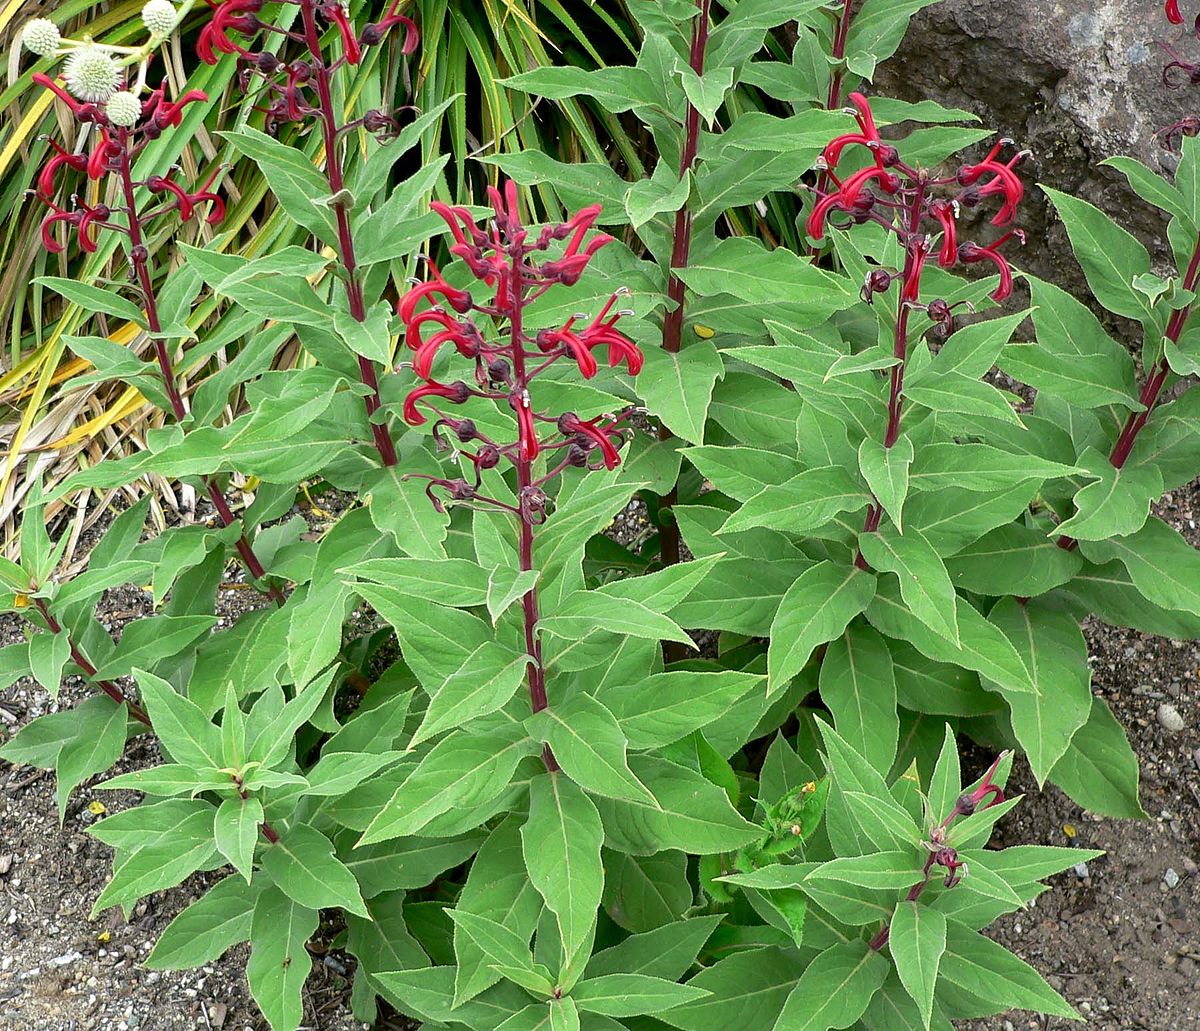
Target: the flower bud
pixel 91 74
pixel 123 109
pixel 41 37
pixel 160 17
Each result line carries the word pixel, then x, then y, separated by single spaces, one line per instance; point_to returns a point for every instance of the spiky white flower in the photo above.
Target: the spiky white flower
pixel 41 36
pixel 160 16
pixel 123 109
pixel 91 74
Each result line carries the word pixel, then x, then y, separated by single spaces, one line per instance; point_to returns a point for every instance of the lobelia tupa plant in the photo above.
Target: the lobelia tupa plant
pixel 766 824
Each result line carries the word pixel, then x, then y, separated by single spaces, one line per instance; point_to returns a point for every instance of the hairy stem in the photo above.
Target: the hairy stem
pixel 85 664
pixel 346 254
pixel 140 259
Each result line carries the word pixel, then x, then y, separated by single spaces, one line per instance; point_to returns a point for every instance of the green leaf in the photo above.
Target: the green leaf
pixel 302 865
pixel 665 192
pixel 1026 864
pixel 1073 357
pixel 804 503
pixel 916 943
pixel 208 927
pixel 506 949
pixel 161 863
pixel 990 972
pixel 979 467
pixel 1052 647
pixel 236 831
pixel 835 988
pixel 886 472
pixel 705 93
pixel 461 771
pixel 48 653
pixel 299 188
pixel 1163 566
pixel 561 843
pixel 678 387
pixel 973 350
pixel 667 951
pixel 616 88
pixel 455 582
pixel 148 641
pixel 858 684
pixel 1152 188
pixel 644 894
pixel 1099 770
pixel 741 472
pixel 400 508
pixel 925 585
pixel 1116 504
pixel 748 989
pixel 488 678
pixel 279 963
pixel 98 743
pixel 665 707
pixel 93 299
pixel 1012 559
pixel 628 995
pixel 952 517
pixel 370 338
pixel 692 814
pixel 1111 258
pixel 583 612
pixel 1187 178
pixel 816 609
pixel 589 745
pixel 182 727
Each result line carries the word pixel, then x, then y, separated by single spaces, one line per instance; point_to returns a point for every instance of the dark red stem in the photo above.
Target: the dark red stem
pixel 669 541
pixel 140 259
pixel 1152 389
pixel 82 661
pixel 346 255
pixel 834 100
pixel 529 602
pixel 895 405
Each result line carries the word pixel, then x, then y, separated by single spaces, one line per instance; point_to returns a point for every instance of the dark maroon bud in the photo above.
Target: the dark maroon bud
pixel 878 280
pixel 499 371
pixel 488 457
pixel 965 805
pixel 139 254
pixel 577 455
pixel 460 490
pixel 371 35
pixel 301 71
pixel 568 423
pixel 461 392
pixel 466 431
pixel 266 63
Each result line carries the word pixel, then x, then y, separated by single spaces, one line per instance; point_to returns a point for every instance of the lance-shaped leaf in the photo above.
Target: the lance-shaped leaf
pixel 805 502
pixel 205 929
pixel 583 612
pixel 816 609
pixel 678 387
pixel 916 943
pixel 924 583
pixel 183 728
pixel 1163 566
pixel 486 681
pixel 1116 504
pixel 886 472
pixel 858 684
pixel 747 989
pixel 303 866
pixel 507 951
pixel 589 745
pixel 1099 770
pixel 561 843
pixel 279 963
pixel 629 995
pixel 835 988
pixel 665 707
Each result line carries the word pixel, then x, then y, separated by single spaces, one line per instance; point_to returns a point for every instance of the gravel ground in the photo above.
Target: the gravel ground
pixel 1120 939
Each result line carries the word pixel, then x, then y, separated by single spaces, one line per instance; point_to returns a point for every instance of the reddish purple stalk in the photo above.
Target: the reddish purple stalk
pixel 140 259
pixel 669 541
pixel 346 255
pixel 834 99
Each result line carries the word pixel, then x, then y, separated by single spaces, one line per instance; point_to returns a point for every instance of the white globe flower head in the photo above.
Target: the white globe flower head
pixel 41 36
pixel 123 109
pixel 160 16
pixel 91 74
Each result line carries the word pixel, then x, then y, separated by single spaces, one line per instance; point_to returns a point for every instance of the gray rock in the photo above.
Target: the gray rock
pixel 1171 879
pixel 1169 718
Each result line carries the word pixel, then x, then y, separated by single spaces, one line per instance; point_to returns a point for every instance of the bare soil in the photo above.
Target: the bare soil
pixel 1121 940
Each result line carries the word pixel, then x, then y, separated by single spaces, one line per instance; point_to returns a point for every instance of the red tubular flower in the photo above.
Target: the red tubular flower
pixel 867 136
pixel 336 14
pixel 569 267
pixel 969 803
pixel 58 91
pixel 104 151
pixel 459 300
pixel 1173 14
pixel 580 224
pixel 944 212
pixel 457 333
pixel 183 200
pixel 526 430
pixel 456 392
pixel 566 338
pixel 970 253
pixel 171 113
pixel 603 333
pixel 919 250
pixel 45 187
pixel 569 423
pixel 58 215
pixel 87 217
pixel 240 16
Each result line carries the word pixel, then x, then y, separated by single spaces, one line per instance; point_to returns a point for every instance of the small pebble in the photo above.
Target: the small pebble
pixel 1171 879
pixel 1169 718
pixel 1081 871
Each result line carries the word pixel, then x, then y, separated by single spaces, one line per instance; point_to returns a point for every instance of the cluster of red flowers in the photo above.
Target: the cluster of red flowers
pixel 501 257
pixel 290 83
pixel 113 150
pixel 1176 73
pixel 905 200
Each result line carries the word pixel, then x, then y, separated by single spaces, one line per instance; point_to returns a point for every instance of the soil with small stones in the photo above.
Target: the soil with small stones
pixel 1120 939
